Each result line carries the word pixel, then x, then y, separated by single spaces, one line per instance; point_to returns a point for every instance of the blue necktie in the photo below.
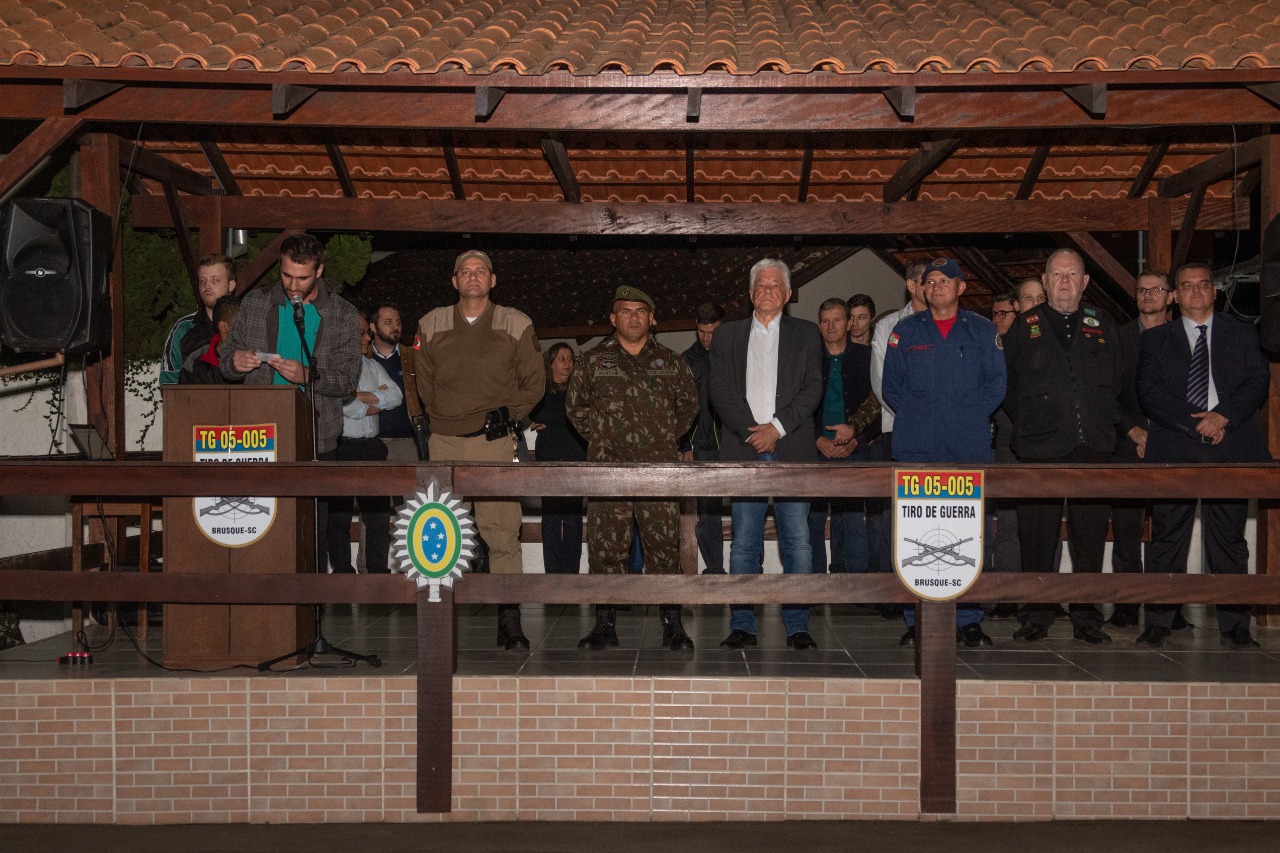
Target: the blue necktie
pixel 1198 381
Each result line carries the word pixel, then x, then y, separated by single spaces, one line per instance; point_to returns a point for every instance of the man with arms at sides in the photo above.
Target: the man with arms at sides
pixel 479 371
pixel 702 444
pixel 376 393
pixel 1064 372
pixel 862 314
pixel 1128 515
pixel 944 375
pixel 766 383
pixel 1201 381
pixel 844 422
pixel 881 522
pixel 215 278
pixel 1004 547
pixel 268 324
pixel 632 399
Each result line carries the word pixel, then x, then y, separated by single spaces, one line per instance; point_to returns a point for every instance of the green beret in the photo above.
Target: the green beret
pixel 627 293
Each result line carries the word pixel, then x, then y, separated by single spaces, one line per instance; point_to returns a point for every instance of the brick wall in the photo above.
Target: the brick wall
pixel 315 749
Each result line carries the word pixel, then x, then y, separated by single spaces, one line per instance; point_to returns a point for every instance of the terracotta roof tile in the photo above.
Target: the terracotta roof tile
pixel 641 36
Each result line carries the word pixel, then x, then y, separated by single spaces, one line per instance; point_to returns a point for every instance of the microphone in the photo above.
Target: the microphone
pixel 295 299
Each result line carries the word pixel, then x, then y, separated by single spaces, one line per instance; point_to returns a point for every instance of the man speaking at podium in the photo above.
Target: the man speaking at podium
pixel 266 344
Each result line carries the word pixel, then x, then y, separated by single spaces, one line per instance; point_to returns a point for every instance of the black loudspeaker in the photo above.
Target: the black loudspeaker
pixel 56 255
pixel 1269 288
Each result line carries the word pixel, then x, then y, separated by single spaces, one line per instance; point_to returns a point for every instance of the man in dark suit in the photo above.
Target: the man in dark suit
pixel 766 383
pixel 1201 381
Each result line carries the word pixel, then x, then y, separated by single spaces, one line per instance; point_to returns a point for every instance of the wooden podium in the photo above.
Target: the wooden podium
pixel 225 424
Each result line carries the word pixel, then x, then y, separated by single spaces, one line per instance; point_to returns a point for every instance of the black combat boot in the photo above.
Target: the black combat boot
pixel 603 634
pixel 673 635
pixel 510 636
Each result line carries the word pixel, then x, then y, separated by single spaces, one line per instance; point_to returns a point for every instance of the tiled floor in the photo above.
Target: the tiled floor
pixel 853 642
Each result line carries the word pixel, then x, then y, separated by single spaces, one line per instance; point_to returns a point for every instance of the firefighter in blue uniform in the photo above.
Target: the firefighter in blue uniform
pixel 944 375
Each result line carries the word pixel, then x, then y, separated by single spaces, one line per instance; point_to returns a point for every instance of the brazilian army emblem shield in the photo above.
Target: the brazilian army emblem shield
pixel 434 536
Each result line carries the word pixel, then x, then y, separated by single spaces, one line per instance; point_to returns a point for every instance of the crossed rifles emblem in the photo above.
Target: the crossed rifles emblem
pixel 948 554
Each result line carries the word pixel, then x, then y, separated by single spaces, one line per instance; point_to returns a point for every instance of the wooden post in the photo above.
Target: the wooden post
pixel 436 651
pixel 211 229
pixel 936 667
pixel 1160 235
pixel 97 181
pixel 1268 542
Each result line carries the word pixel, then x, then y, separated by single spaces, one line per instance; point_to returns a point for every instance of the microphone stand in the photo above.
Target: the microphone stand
pixel 319 644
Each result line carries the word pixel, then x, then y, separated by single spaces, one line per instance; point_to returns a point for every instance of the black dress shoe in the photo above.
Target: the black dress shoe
pixel 1092 636
pixel 1240 639
pixel 1153 636
pixel 908 637
pixel 1003 611
pixel 737 639
pixel 973 636
pixel 1179 622
pixel 1031 633
pixel 800 641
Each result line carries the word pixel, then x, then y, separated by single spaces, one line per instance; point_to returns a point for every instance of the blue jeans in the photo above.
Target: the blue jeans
pixel 747 551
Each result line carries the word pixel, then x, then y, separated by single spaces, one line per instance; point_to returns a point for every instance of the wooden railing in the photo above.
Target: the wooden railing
pixel 935 647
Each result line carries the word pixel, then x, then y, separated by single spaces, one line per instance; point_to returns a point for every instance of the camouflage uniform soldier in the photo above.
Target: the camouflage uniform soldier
pixel 632 399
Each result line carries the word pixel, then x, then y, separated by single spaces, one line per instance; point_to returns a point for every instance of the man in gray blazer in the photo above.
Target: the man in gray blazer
pixel 766 383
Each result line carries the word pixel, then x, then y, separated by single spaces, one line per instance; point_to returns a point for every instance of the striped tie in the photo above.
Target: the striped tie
pixel 1198 381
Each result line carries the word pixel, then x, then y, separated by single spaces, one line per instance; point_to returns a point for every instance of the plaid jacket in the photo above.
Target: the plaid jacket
pixel 337 351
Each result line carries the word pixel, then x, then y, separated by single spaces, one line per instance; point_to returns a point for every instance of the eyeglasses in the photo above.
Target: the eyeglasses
pixel 1151 291
pixel 1002 314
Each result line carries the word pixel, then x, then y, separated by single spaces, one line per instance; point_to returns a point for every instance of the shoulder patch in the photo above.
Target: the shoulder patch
pixel 417 342
pixel 893 340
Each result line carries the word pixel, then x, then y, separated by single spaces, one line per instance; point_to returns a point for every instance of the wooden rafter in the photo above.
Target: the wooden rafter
pixel 28 154
pixel 806 170
pixel 662 218
pixel 1269 92
pixel 997 279
pixel 1096 252
pixel 919 165
pixel 137 159
pixel 1032 174
pixel 693 106
pixel 1182 246
pixel 221 171
pixel 1236 159
pixel 558 157
pixel 450 152
pixel 251 273
pixel 339 164
pixel 183 238
pixel 1148 170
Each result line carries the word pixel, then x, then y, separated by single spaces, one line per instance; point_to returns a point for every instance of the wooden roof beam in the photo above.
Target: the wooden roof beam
pixel 78 93
pixel 997 279
pixel 221 170
pixel 558 157
pixel 451 164
pixel 184 240
pixel 1096 252
pixel 135 158
pixel 1032 174
pixel 1234 160
pixel 903 101
pixel 27 156
pixel 1091 96
pixel 919 165
pixel 287 97
pixel 1148 170
pixel 340 169
pixel 1004 216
